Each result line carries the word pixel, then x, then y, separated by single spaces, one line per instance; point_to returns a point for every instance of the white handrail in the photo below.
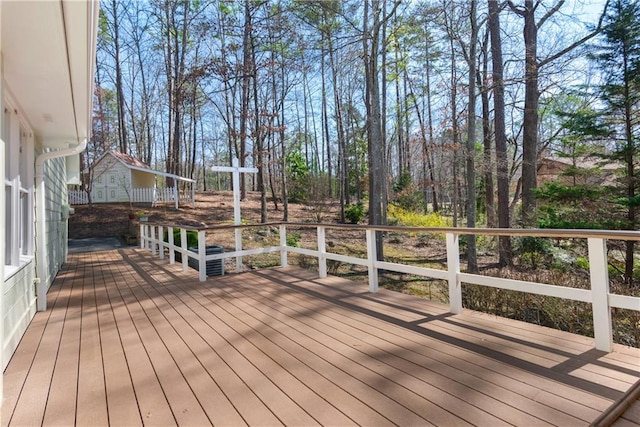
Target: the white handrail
pixel 599 296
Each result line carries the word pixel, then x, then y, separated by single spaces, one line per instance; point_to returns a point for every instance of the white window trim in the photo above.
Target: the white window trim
pixel 19 238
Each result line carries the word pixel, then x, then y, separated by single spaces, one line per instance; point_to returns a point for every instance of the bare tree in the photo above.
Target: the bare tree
pixel 504 242
pixel 533 65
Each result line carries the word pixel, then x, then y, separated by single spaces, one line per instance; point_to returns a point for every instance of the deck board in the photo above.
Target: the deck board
pixel 131 340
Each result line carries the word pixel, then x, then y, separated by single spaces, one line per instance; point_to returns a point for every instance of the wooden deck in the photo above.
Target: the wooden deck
pixel 131 340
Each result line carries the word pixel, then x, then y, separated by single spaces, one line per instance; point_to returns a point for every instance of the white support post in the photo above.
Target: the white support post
pixel 153 240
pixel 322 252
pixel 172 253
pixel 284 261
pixel 238 234
pixel 143 236
pixel 237 220
pixel 372 257
pixel 175 193
pixel 183 246
pixel 161 241
pixel 202 255
pixel 599 274
pixel 453 268
pixel 193 196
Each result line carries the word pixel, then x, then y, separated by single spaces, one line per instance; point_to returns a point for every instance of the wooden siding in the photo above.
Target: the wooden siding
pixel 131 340
pixel 55 217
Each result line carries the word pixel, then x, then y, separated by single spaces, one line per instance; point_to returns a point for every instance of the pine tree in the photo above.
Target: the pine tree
pixel 618 57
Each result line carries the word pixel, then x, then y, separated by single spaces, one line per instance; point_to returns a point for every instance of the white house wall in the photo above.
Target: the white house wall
pixel 19 307
pixel 18 289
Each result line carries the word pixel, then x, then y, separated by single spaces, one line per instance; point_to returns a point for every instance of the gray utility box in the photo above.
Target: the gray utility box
pixel 214 267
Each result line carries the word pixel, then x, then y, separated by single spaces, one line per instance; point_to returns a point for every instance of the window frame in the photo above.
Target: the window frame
pixel 19 188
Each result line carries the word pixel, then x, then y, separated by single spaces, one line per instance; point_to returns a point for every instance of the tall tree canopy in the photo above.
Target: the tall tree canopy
pixel 370 101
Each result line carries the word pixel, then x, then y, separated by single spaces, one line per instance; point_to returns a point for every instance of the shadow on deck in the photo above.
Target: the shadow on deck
pixel 131 340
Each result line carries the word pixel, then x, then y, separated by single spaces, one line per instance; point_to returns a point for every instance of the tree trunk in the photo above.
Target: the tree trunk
pixel 247 70
pixel 342 145
pixel 504 242
pixel 530 125
pixel 122 124
pixel 472 262
pixel 434 186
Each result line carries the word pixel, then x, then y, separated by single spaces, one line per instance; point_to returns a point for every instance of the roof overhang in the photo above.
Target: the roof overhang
pixel 158 173
pixel 48 49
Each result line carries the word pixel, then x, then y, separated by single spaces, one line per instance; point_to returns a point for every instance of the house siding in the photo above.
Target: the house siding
pixel 19 294
pixel 56 215
pixel 19 307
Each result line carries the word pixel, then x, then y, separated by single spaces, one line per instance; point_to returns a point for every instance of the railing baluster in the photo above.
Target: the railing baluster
pixel 322 252
pixel 161 241
pixel 238 235
pixel 153 240
pixel 599 276
pixel 172 252
pixel 284 261
pixel 372 257
pixel 202 255
pixel 183 246
pixel 453 268
pixel 143 236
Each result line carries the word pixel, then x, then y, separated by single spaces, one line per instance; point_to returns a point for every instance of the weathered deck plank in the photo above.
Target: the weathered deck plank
pixel 130 340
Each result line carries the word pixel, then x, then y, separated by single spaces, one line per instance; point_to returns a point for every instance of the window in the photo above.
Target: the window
pixel 19 187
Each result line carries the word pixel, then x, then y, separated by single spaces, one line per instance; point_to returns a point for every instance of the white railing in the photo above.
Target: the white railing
pixel 78 197
pixel 140 195
pixel 599 296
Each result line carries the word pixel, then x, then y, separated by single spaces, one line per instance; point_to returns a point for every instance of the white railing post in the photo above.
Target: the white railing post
pixel 172 253
pixel 284 261
pixel 161 241
pixel 453 269
pixel 183 246
pixel 175 194
pixel 143 236
pixel 202 255
pixel 372 257
pixel 322 252
pixel 599 275
pixel 153 239
pixel 238 234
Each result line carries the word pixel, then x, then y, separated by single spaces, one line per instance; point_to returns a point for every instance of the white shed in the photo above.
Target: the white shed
pixel 118 177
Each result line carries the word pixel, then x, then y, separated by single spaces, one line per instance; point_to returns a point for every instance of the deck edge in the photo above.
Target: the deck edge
pixel 617 408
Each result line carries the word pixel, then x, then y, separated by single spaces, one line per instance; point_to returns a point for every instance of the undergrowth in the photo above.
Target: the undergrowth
pixel 401 216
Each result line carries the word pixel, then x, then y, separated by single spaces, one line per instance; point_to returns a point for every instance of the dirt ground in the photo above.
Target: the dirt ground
pixel 211 208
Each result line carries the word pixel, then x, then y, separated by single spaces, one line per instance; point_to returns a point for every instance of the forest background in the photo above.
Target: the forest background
pixel 443 107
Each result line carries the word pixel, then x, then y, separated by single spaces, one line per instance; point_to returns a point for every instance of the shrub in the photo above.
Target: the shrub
pixel 293 239
pixel 192 237
pixel 354 213
pixel 534 249
pixel 413 219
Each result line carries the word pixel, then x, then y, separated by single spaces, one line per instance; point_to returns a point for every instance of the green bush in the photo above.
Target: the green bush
pixel 354 213
pixel 533 250
pixel 192 237
pixel 293 239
